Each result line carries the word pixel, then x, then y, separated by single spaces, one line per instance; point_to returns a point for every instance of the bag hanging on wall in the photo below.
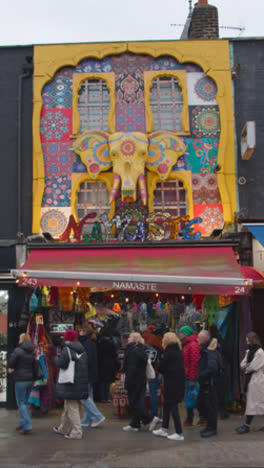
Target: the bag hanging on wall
pixel 67 375
pixel 38 372
pixel 150 372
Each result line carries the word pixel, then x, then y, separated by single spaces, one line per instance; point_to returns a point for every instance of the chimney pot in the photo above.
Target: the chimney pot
pixel 202 2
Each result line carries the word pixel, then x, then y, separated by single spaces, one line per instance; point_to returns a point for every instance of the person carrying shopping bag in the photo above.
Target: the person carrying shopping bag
pixel 72 385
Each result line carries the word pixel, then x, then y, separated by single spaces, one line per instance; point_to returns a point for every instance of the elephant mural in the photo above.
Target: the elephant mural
pixel 129 154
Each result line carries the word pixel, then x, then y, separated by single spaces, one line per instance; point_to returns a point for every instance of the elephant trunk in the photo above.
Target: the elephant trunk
pixel 115 187
pixel 142 188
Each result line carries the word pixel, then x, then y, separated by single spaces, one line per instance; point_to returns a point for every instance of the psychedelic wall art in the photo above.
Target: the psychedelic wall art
pixel 167 95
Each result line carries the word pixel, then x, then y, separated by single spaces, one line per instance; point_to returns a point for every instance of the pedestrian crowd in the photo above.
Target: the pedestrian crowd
pixel 192 368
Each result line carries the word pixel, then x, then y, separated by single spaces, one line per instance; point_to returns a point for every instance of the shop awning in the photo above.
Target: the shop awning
pixel 184 270
pixel 257 230
pixel 255 274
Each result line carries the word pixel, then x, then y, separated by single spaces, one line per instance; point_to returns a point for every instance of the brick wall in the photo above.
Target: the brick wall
pixel 204 22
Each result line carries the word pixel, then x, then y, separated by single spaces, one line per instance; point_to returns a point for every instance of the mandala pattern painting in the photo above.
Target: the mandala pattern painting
pixel 205 121
pixel 56 125
pixel 54 222
pixel 212 216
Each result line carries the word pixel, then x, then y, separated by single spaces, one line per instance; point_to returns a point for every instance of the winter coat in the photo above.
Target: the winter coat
pixel 91 351
pixel 171 366
pixel 135 362
pixel 209 362
pixel 191 356
pixel 107 360
pixel 255 391
pixel 79 389
pixel 21 360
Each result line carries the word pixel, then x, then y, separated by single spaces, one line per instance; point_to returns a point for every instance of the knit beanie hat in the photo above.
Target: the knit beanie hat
pixel 187 331
pixel 70 335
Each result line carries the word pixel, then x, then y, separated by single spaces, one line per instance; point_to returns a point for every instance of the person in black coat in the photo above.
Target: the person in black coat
pixel 91 414
pixel 21 364
pixel 72 393
pixel 171 366
pixel 207 377
pixel 107 364
pixel 135 380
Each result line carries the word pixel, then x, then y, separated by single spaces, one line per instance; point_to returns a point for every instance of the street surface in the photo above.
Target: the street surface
pixel 107 446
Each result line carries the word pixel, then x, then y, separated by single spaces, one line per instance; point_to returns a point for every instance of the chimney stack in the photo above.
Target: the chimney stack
pixel 204 21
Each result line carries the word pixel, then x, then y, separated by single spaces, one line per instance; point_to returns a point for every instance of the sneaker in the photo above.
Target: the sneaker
pixel 85 424
pixel 162 432
pixel 187 424
pixel 97 423
pixel 57 431
pixel 175 436
pixel 68 436
pixel 154 423
pixel 209 433
pixel 130 428
pixel 243 429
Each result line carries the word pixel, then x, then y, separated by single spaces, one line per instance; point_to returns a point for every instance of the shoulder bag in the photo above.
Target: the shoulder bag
pixel 150 372
pixel 67 375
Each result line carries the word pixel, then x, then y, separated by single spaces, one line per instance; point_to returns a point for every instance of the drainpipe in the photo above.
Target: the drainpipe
pixel 27 72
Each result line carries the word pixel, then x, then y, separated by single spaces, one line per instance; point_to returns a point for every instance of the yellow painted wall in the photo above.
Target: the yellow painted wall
pixel 211 56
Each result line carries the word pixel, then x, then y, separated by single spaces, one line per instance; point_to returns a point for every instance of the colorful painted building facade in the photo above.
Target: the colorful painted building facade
pixel 135 132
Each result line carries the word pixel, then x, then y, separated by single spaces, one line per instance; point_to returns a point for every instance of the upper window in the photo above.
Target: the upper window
pixel 92 196
pixel 93 105
pixel 170 197
pixel 166 102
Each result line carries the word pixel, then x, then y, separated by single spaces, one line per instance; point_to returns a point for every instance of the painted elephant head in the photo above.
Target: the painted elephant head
pixel 129 154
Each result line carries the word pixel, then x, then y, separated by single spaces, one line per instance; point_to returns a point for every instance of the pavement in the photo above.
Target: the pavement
pixel 108 446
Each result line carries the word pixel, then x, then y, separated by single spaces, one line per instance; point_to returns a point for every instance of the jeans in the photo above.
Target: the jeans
pixel 23 390
pixel 90 412
pixel 153 395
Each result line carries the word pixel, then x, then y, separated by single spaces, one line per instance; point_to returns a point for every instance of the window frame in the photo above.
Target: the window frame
pixel 181 77
pixel 77 80
pixel 79 178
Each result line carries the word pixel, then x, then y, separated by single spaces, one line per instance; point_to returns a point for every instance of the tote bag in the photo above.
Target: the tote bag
pixel 150 372
pixel 67 375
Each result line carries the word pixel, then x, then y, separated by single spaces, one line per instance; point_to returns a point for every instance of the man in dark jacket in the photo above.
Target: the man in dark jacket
pixel 72 393
pixel 91 414
pixel 207 372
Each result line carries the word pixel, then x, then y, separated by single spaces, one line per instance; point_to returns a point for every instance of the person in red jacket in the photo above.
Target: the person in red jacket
pixel 191 355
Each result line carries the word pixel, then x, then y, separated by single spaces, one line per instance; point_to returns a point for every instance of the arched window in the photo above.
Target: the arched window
pixel 166 102
pixel 92 197
pixel 170 197
pixel 93 105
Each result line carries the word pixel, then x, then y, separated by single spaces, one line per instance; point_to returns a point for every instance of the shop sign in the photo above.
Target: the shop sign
pixel 132 286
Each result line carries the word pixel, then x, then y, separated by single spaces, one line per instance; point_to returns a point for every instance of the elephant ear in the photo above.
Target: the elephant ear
pixel 94 152
pixel 165 148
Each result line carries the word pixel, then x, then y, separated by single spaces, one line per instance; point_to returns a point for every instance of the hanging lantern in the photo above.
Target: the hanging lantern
pixel 116 308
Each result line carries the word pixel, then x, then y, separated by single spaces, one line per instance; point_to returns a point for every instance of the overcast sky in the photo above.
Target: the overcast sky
pixel 60 21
